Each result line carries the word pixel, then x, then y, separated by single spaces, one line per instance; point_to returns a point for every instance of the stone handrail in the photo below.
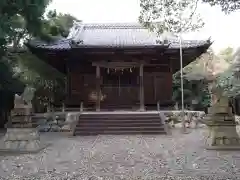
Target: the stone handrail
pixel 71 121
pixel 161 115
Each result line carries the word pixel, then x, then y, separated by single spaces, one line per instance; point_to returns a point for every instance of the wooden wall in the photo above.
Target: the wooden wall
pixel 157 87
pixel 82 82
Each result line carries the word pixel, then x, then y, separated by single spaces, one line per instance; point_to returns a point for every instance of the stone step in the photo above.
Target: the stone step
pixel 113 132
pixel 109 121
pixel 120 128
pixel 118 117
pixel 119 113
pixel 119 124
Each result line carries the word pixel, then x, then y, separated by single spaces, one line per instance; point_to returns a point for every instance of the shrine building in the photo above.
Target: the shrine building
pixel 117 66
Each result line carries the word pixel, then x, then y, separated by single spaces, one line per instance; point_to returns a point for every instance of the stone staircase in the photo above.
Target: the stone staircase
pixel 95 123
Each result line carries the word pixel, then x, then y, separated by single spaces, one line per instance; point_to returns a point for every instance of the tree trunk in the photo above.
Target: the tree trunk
pixel 2 119
pixel 6 105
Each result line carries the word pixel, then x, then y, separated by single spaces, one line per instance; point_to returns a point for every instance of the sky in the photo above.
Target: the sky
pixel 223 29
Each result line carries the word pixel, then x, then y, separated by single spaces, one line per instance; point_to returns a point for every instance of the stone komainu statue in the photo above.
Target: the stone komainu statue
pixel 22 111
pixel 25 99
pixel 18 101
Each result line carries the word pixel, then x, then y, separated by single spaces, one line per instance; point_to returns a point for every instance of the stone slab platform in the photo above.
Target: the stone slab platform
pixel 223 148
pixel 21 140
pixel 4 151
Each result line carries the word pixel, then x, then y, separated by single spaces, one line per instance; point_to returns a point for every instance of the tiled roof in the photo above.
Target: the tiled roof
pixel 63 44
pixel 116 35
pixel 113 35
pixel 122 34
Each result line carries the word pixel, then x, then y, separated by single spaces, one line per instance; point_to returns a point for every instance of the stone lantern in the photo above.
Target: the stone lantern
pixel 220 119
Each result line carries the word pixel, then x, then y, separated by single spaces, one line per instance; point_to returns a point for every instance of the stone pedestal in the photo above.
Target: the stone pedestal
pixel 21 117
pixel 222 129
pixel 23 140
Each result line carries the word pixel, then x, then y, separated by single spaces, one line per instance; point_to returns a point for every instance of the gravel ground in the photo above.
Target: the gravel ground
pixel 135 157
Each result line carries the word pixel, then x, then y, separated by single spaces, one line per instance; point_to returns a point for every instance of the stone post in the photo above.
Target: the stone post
pixel 81 106
pixel 63 107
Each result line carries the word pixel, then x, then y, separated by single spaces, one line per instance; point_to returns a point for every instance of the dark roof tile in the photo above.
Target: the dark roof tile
pixel 116 35
pixel 113 35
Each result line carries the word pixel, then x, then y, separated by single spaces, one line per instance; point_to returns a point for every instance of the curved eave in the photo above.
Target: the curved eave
pixel 198 49
pixel 54 49
pixel 194 50
pixel 169 47
pixel 187 46
pixel 134 46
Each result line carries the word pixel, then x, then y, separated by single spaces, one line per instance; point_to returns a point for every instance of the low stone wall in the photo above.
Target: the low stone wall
pixel 175 117
pixel 66 122
pixel 177 114
pixel 55 122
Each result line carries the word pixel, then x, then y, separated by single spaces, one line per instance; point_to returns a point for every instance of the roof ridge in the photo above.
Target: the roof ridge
pixel 113 26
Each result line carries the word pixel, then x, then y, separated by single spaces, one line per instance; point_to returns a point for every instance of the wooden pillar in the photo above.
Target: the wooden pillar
pixel 155 87
pixel 141 94
pixel 67 86
pixel 98 100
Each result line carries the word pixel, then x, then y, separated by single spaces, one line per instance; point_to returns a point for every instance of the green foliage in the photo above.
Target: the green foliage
pixel 17 19
pixel 171 16
pixel 21 20
pixel 224 69
pixel 227 6
pixel 59 24
pixel 178 15
pixel 196 76
pixel 229 81
pixel 7 81
pixel 226 54
pixel 24 19
pixel 44 78
pixel 194 90
pixel 16 14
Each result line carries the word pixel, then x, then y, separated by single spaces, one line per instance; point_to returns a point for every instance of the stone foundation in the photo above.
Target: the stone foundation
pixel 223 136
pixel 21 140
pixel 222 132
